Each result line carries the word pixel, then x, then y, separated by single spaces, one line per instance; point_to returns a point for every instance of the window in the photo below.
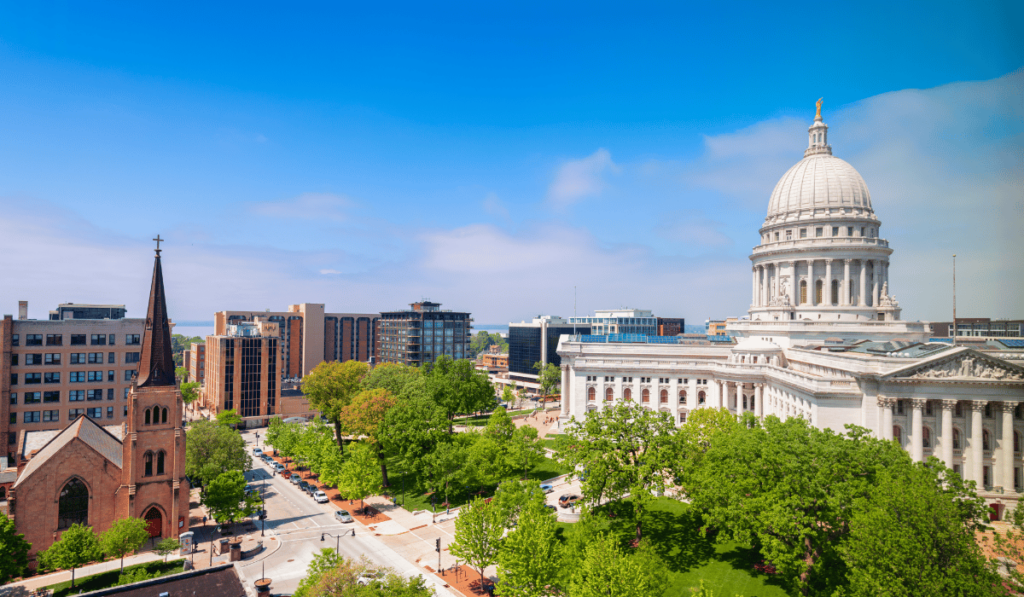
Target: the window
pixel 98 340
pixel 14 340
pixel 110 393
pixel 986 444
pixel 849 231
pixel 928 409
pixel 701 397
pixel 1016 442
pixel 52 358
pixel 744 402
pixel 776 237
pixel 131 339
pixel 54 340
pixel 163 416
pixel 31 378
pixel 95 357
pixel 627 394
pixel 95 376
pixel 111 358
pixel 33 359
pixel 663 399
pixel 110 339
pixel 14 379
pixel 148 460
pixel 76 395
pixel 51 416
pixel 862 231
pixel 52 377
pixel 73 505
pixel 95 413
pixel 682 417
pixel 110 412
pixel 14 397
pixel 78 358
pixel 1018 412
pixel 819 231
pixel 803 292
pixel 803 233
pixel 789 235
pixel 926 437
pixel 32 397
pixel 77 339
pixel 14 360
pixel 33 339
pixel 128 374
pixel 125 410
pixel 900 408
pixel 53 396
pixel 897 434
pixel 74 413
pixel 30 416
pixel 645 396
pixel 682 397
pixel 131 358
pixel 126 394
pixel 96 394
pixel 835 231
pixel 591 396
pixel 14 420
pixel 958 410
pixel 110 376
pixel 985 477
pixel 988 410
pixel 608 394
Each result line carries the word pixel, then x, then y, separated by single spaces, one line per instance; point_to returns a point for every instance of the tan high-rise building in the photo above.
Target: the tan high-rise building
pixel 309 336
pixel 243 369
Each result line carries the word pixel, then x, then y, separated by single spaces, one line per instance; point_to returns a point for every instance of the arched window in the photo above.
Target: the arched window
pixel 897 434
pixel 752 403
pixel 701 397
pixel 147 417
pixel 608 394
pixel 73 505
pixel 803 292
pixel 958 410
pixel 591 394
pixel 985 444
pixel 682 397
pixel 744 402
pixel 682 416
pixel 645 396
pixel 156 415
pixel 147 458
pixel 956 439
pixel 163 417
pixel 627 394
pixel 818 289
pixel 664 397
pixel 835 292
pixel 160 462
pixel 926 437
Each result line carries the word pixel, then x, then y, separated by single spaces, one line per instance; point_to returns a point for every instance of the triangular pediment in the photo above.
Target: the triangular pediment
pixel 963 364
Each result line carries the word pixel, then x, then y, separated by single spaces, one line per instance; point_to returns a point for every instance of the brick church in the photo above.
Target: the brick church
pixel 94 475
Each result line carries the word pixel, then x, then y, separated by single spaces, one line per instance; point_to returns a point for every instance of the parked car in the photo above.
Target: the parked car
pixel 568 500
pixel 311 489
pixel 278 467
pixel 304 486
pixel 295 479
pixel 257 453
pixel 343 516
pixel 320 497
pixel 370 576
pixel 546 488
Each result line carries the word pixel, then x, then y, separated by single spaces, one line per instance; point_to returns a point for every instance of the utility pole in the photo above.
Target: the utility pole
pixel 955 329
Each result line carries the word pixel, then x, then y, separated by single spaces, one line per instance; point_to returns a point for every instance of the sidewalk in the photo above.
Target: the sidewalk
pixel 38 582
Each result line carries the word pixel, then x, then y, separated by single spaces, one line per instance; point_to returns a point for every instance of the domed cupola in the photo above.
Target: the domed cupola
pixel 817 136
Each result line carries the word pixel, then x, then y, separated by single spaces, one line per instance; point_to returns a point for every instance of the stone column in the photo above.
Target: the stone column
pixel 764 285
pixel 863 283
pixel 812 296
pixel 948 406
pixel 977 449
pixel 721 392
pixel 917 430
pixel 753 300
pixel 828 283
pixel 844 293
pixel 874 283
pixel 1006 446
pixel 564 410
pixel 792 283
pixel 886 405
pixel 759 399
pixel 777 283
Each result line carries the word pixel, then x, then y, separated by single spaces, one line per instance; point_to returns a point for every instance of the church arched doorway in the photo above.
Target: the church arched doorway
pixel 154 522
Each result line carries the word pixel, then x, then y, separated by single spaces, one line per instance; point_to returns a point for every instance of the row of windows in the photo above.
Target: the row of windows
pixel 901 408
pixel 73 377
pixel 661 380
pixel 663 397
pixel 74 358
pixel 76 339
pixel 819 232
pixel 73 396
pixel 52 416
pixel 926 438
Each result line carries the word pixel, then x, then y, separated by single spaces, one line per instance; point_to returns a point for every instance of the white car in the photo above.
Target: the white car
pixel 320 497
pixel 343 516
pixel 369 576
pixel 257 453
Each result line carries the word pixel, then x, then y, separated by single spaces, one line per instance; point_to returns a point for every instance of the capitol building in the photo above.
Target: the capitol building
pixel 824 340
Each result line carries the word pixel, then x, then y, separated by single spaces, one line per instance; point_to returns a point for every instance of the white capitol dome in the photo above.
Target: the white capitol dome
pixel 819 184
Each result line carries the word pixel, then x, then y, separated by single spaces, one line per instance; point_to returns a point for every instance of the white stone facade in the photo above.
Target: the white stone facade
pixel 833 360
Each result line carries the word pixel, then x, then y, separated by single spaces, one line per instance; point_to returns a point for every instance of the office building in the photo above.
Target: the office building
pixel 671 326
pixel 422 333
pixel 55 369
pixel 979 327
pixel 195 362
pixel 243 370
pixel 536 341
pixel 619 321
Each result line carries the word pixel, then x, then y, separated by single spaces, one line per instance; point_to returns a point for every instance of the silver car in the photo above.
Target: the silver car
pixel 343 516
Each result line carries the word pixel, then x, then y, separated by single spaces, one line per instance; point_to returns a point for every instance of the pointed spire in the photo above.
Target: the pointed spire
pixel 156 364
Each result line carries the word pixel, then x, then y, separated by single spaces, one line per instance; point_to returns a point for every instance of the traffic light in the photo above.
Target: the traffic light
pixel 437 545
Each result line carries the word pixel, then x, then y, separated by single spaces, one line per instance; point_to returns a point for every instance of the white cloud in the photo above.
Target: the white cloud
pixel 308 206
pixel 577 179
pixel 494 206
pixel 329 271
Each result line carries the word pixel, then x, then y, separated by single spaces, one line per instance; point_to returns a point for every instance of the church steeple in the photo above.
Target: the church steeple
pixel 156 364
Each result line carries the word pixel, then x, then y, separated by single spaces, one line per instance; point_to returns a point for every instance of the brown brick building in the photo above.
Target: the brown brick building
pixel 244 370
pixel 95 475
pixel 309 336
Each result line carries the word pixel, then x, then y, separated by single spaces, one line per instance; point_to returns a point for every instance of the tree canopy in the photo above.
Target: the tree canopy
pixel 15 550
pixel 213 449
pixel 457 387
pixel 478 532
pixel 226 499
pixel 360 475
pixel 365 417
pixel 330 387
pixel 549 377
pixel 530 557
pixel 124 537
pixel 78 545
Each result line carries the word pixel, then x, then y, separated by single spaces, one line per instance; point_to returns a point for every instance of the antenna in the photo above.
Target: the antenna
pixel 955 328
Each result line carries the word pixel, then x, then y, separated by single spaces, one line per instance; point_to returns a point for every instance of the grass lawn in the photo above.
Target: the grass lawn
pixel 674 531
pixel 551 440
pixel 415 500
pixel 104 580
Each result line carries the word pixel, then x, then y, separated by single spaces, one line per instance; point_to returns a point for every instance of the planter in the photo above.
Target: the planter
pixel 262 587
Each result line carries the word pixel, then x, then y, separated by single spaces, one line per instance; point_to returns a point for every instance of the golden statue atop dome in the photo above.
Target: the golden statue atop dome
pixel 818 104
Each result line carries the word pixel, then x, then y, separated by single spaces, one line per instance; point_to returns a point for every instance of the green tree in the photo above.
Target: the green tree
pixel 624 450
pixel 15 549
pixel 360 476
pixel 77 545
pixel 457 387
pixel 167 546
pixel 400 380
pixel 914 534
pixel 549 377
pixel 508 396
pixel 124 537
pixel 284 437
pixel 789 489
pixel 189 392
pixel 365 416
pixel 181 373
pixel 606 570
pixel 412 430
pixel 489 456
pixel 312 446
pixel 478 532
pixel 530 557
pixel 448 466
pixel 1011 545
pixel 227 500
pixel 324 561
pixel 213 449
pixel 229 418
pixel 704 426
pixel 514 497
pixel 524 451
pixel 330 387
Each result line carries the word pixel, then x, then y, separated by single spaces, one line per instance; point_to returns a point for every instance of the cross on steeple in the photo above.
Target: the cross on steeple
pixel 158 241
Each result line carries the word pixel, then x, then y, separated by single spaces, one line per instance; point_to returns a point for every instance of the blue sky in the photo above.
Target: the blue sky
pixel 492 157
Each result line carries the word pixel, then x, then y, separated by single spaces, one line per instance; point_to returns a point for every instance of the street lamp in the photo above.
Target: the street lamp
pixel 337 548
